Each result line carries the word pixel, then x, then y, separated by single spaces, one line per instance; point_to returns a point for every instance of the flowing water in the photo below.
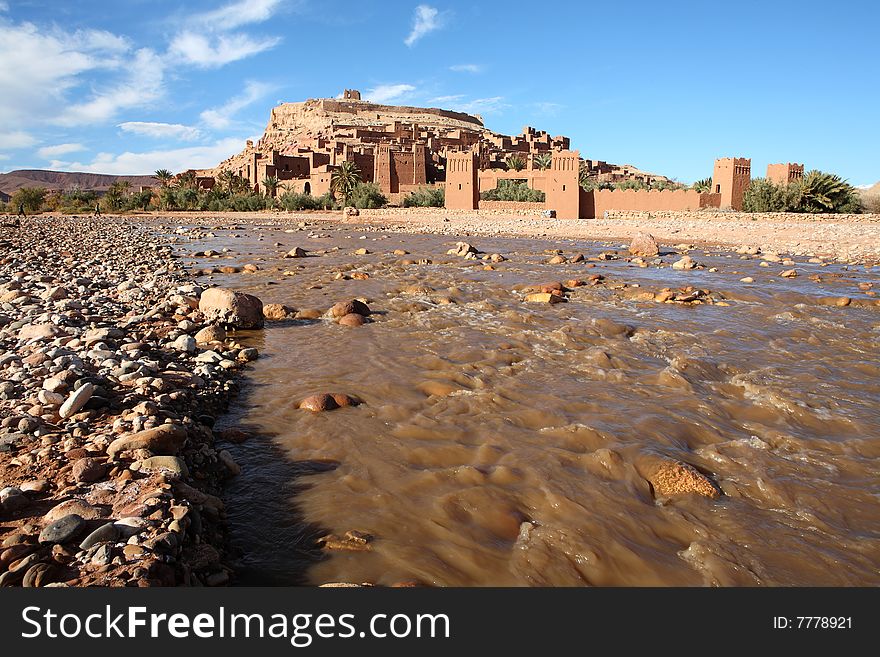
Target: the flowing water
pixel 504 443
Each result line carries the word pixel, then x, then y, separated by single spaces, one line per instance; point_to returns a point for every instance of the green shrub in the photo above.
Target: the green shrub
pixel 294 201
pixel 30 197
pixel 366 196
pixel 425 197
pixel 513 190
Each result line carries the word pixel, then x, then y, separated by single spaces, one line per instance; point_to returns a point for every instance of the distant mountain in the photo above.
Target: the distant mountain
pixel 63 180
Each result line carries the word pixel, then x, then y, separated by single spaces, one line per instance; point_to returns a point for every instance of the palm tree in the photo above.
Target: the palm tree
pixel 826 192
pixel 584 179
pixel 164 176
pixel 187 180
pixel 515 162
pixel 270 184
pixel 703 185
pixel 344 179
pixel 542 161
pixel 226 180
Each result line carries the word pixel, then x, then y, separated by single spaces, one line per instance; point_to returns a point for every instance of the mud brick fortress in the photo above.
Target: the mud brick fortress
pixel 402 149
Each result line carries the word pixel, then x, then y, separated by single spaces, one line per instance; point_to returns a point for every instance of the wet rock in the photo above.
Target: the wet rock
pixel 232 308
pixel 556 260
pixel 328 402
pixel 685 263
pixel 296 252
pixel 355 306
pixel 318 403
pixel 462 249
pixel 676 478
pixel 544 297
pixel 234 435
pixel 789 273
pixel 62 530
pixel 352 540
pixel 248 354
pixel 342 400
pixel 211 333
pixel 230 464
pixel 278 311
pixel 352 319
pixel 308 313
pixel 361 251
pixel 76 401
pixel 165 439
pixel 644 245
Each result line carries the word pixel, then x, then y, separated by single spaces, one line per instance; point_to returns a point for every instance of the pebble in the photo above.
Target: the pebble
pixel 76 401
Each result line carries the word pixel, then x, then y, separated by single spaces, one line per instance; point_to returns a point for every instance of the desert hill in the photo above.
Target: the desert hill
pixel 63 180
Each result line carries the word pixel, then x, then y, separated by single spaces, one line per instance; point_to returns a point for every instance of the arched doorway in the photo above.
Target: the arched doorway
pixel 307 188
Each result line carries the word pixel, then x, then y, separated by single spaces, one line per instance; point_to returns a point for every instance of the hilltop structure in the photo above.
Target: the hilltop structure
pixel 400 148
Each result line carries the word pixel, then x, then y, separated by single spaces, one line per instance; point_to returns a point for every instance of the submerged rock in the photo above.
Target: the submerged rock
pixel 677 478
pixel 355 306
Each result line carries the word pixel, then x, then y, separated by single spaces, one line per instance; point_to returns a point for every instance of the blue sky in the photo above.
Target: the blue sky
pixel 132 86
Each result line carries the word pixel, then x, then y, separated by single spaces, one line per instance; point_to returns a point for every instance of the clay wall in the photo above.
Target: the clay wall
pixel 600 201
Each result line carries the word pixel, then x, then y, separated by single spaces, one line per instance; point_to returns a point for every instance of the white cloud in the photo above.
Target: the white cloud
pixel 236 14
pixel 178 159
pixel 458 103
pixel 39 67
pixel 161 130
pixel 4 6
pixel 220 118
pixel 16 139
pixel 52 152
pixel 143 85
pixel 467 68
pixel 426 19
pixel 440 100
pixel 198 50
pixel 385 93
pixel 3 156
pixel 547 108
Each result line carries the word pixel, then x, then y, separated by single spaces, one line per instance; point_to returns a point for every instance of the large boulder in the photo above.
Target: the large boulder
pixel 232 308
pixel 644 245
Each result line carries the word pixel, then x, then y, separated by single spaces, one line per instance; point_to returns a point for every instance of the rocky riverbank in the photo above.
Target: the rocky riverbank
pixel 111 377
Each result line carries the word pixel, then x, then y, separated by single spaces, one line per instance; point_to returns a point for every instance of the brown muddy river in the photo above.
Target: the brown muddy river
pixel 503 443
